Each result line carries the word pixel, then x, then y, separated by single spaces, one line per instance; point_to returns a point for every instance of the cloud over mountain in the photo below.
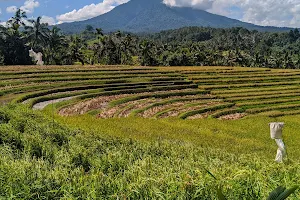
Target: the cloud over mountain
pixel 89 11
pixel 200 4
pixel 261 12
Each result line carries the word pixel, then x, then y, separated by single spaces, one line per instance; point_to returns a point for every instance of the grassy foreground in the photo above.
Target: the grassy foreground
pixel 140 158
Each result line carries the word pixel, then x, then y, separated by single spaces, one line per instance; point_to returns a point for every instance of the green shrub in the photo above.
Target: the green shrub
pixel 80 160
pixel 19 124
pixel 9 136
pixel 4 118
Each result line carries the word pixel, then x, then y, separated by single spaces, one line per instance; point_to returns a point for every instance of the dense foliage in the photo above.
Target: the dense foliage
pixel 230 47
pixel 182 47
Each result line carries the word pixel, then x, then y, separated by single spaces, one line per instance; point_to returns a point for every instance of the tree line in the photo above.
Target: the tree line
pixel 190 46
pixel 230 47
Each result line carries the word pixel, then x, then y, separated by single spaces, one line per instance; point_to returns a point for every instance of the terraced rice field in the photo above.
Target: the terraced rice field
pixel 154 92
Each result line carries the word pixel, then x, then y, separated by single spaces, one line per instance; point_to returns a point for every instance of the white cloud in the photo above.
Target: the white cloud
pixel 3 23
pixel 89 11
pixel 261 12
pixel 200 4
pixel 11 9
pixel 49 20
pixel 30 5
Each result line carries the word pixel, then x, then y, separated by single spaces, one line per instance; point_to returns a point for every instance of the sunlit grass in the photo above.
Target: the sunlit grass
pixel 240 152
pixel 83 157
pixel 249 135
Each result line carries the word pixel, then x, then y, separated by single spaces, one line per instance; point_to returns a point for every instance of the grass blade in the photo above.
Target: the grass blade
pixel 220 194
pixel 287 193
pixel 275 193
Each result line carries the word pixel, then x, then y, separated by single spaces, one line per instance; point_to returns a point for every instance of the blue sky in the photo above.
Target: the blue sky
pixel 261 12
pixel 50 8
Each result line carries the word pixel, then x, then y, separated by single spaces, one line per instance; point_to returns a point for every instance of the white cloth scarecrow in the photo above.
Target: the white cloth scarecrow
pixel 38 57
pixel 276 134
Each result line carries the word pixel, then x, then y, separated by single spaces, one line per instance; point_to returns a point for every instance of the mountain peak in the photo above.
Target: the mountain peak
pixel 154 16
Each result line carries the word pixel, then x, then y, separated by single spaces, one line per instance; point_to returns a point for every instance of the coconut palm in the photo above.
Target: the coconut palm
pixel 37 33
pixel 147 54
pixel 98 49
pixel 55 42
pixel 99 32
pixel 76 46
pixel 12 42
pixel 55 38
pixel 116 44
pixel 127 49
pixel 18 19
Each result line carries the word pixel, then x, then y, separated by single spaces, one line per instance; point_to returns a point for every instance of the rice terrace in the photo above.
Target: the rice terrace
pixel 147 131
pixel 149 99
pixel 155 92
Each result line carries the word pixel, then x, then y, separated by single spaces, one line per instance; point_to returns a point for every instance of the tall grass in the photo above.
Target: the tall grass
pixel 45 160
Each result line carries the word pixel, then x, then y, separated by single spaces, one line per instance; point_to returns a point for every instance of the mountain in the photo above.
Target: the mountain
pixel 139 16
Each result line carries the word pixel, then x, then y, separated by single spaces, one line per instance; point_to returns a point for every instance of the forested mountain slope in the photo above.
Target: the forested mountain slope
pixel 153 16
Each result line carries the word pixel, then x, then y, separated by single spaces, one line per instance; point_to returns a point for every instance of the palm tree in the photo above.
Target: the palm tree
pixel 288 63
pixel 112 51
pixel 99 49
pixel 147 55
pixel 75 50
pixel 12 41
pixel 38 33
pixel 88 33
pixel 17 20
pixel 55 42
pixel 55 38
pixel 117 40
pixel 99 46
pixel 99 32
pixel 127 50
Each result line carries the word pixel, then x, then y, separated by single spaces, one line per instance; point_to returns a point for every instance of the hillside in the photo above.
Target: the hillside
pixel 153 16
pixel 156 92
pixel 115 132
